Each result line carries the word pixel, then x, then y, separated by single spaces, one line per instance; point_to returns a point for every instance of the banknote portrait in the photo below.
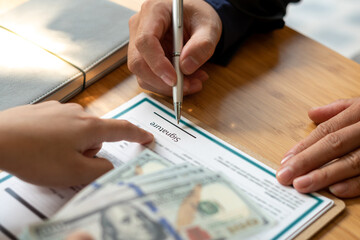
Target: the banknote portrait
pixel 129 222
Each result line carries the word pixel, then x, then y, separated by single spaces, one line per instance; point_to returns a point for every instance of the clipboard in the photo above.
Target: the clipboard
pixel 309 231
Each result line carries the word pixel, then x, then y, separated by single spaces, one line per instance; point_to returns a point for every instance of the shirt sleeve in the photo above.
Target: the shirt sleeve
pixel 240 18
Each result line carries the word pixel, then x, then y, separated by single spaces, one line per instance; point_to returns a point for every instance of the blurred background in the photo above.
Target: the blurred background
pixel 334 23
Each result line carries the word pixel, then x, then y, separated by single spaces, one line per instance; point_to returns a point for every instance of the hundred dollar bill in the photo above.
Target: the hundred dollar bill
pixel 146 162
pixel 209 207
pixel 115 222
pixel 136 187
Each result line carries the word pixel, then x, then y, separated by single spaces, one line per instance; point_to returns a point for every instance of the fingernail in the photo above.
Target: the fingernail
pixel 148 139
pixel 338 189
pixel 285 174
pixel 189 65
pixel 286 158
pixel 314 108
pixel 151 136
pixel 303 182
pixel 291 151
pixel 167 79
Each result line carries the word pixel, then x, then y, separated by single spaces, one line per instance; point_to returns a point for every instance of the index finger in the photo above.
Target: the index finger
pixel 322 152
pixel 113 130
pixel 154 22
pixel 345 118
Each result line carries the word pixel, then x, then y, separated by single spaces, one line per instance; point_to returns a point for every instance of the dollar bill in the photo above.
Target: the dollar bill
pixel 146 162
pixel 136 187
pixel 206 207
pixel 115 222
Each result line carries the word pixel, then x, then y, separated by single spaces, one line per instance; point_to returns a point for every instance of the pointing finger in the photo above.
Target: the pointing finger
pixel 113 130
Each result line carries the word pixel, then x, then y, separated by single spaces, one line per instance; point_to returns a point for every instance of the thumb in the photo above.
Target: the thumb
pixel 324 113
pixel 203 25
pixel 93 168
pixel 198 49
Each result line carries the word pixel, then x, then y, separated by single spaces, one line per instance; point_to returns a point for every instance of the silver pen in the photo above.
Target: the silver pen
pixel 177 19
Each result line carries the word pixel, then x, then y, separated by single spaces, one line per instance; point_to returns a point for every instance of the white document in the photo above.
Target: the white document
pixel 189 143
pixel 22 204
pixel 186 142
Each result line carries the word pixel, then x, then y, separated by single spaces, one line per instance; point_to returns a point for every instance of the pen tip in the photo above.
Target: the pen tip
pixel 177 112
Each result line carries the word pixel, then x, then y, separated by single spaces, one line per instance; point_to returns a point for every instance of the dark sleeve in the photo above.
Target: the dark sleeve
pixel 240 18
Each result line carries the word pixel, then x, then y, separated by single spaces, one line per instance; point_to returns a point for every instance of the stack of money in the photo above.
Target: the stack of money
pixel 151 198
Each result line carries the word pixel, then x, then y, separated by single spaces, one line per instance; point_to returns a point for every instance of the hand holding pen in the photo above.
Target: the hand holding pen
pixel 151 45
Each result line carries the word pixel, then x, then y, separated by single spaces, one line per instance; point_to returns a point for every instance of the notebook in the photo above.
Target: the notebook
pixel 51 50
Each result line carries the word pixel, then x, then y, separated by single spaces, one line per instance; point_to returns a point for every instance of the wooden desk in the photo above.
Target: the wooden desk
pixel 260 100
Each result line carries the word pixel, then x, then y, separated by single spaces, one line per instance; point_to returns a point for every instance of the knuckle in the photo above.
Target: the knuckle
pixel 156 67
pixel 144 41
pixel 353 188
pixel 321 175
pixel 300 147
pixel 334 141
pixel 125 124
pixel 356 105
pixel 136 64
pixel 354 161
pixel 325 128
pixel 153 4
pixel 207 48
pixel 356 184
pixel 47 103
pixel 133 20
pixel 92 122
pixel 300 163
pixel 52 102
pixel 142 84
pixel 74 106
pixel 147 4
pixel 340 100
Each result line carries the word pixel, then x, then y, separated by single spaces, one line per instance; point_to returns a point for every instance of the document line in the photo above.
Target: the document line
pixel 174 125
pixel 7 233
pixel 25 203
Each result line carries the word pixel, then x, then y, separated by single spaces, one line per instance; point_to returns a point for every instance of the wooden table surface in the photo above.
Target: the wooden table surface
pixel 260 100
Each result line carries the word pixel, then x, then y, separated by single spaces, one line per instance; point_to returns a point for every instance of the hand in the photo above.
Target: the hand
pixel 79 236
pixel 150 46
pixel 330 155
pixel 54 144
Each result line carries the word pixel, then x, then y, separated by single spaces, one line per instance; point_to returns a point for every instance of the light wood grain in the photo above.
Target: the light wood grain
pixel 260 100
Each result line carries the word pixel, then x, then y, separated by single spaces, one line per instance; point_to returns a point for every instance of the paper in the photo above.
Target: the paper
pixel 23 204
pixel 188 143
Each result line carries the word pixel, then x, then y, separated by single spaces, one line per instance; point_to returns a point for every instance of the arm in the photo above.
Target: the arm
pixel 54 144
pixel 240 18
